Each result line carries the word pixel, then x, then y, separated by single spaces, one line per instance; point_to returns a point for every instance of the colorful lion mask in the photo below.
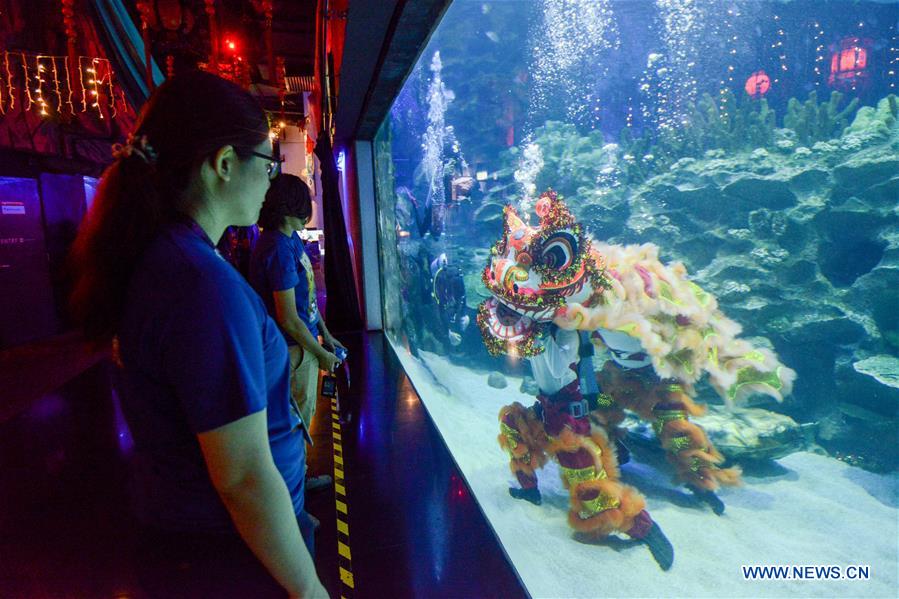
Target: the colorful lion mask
pixel 535 271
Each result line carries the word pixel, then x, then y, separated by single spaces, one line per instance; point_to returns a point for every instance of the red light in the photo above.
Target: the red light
pixel 849 63
pixel 758 84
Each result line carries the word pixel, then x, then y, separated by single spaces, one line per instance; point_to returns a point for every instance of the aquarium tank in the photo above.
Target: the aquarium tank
pixel 640 259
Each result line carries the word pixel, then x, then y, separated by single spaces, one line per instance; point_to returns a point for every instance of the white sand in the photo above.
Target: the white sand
pixel 809 510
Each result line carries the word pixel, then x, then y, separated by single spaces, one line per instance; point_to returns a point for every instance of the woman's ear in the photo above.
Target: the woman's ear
pixel 223 162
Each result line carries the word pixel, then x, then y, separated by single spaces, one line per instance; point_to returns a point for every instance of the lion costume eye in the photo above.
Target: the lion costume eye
pixel 514 276
pixel 559 251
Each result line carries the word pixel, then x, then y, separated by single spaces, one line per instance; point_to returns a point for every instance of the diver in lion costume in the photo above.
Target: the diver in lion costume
pixel 567 305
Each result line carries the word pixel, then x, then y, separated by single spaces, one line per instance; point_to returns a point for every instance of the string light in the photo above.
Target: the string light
pixel 819 52
pixel 56 84
pixel 27 79
pixel 108 78
pixel 124 103
pixel 10 88
pixel 894 60
pixel 40 86
pixel 37 88
pixel 96 91
pixel 94 84
pixel 726 83
pixel 81 83
pixel 861 25
pixel 65 62
pixel 778 45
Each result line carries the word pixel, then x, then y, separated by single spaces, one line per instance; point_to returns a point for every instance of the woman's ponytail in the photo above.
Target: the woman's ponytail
pixel 127 213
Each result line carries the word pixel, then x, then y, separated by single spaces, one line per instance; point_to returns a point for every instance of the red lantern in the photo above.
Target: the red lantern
pixel 849 64
pixel 758 84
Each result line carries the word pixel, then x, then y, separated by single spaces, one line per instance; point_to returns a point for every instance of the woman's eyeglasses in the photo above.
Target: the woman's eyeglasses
pixel 274 164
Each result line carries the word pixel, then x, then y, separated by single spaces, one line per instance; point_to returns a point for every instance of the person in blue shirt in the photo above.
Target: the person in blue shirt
pixel 281 273
pixel 204 374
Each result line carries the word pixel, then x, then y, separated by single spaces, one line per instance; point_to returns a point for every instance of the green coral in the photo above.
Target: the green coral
pixel 815 122
pixel 748 124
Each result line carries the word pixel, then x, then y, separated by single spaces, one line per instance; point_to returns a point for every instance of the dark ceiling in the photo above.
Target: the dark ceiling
pixel 293 35
pixel 293 31
pixel 293 38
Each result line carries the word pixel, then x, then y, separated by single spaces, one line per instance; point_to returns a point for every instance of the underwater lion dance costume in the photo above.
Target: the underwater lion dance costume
pixel 556 298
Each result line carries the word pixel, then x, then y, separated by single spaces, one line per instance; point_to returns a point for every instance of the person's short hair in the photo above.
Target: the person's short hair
pixel 287 196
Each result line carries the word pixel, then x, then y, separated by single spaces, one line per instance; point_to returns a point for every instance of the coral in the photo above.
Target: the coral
pixel 814 122
pixel 712 132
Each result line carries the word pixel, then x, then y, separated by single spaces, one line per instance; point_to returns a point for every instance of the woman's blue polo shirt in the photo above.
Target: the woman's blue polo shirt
pixel 199 351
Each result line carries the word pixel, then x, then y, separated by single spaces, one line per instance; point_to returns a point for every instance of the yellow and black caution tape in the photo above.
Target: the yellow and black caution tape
pixel 344 557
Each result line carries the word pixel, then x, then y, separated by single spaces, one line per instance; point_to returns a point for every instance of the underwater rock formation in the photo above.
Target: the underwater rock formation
pixel 883 369
pixel 794 229
pixel 802 249
pixel 497 380
pixel 740 434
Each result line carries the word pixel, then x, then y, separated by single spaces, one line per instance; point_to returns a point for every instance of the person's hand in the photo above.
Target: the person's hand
pixel 328 361
pixel 333 343
pixel 463 184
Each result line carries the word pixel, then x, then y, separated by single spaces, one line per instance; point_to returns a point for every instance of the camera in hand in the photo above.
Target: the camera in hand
pixel 329 385
pixel 329 380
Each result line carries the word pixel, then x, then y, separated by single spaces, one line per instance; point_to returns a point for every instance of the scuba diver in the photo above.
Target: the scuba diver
pixel 448 290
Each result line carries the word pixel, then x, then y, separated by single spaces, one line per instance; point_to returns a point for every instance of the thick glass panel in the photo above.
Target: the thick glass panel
pixel 658 239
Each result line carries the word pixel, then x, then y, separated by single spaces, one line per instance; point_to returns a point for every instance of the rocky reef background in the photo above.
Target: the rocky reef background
pixel 793 228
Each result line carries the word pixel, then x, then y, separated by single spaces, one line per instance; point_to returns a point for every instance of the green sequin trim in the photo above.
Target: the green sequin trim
pixel 678 444
pixel 512 435
pixel 755 356
pixel 580 475
pixel 749 375
pixel 601 503
pixel 666 416
pixel 604 400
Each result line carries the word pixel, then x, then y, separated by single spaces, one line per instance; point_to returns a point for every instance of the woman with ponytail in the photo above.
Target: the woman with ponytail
pixel 204 371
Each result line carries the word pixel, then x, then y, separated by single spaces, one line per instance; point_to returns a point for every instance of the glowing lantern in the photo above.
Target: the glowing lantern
pixel 849 64
pixel 758 84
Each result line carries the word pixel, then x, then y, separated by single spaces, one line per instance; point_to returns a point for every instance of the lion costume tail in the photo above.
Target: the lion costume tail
pixel 678 324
